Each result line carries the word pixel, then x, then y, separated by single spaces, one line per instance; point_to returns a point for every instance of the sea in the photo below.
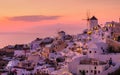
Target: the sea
pixel 25 38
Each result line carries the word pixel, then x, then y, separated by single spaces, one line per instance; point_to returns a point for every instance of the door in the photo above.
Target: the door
pixel 95 72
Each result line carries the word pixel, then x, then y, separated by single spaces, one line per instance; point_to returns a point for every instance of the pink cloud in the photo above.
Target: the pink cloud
pixel 33 18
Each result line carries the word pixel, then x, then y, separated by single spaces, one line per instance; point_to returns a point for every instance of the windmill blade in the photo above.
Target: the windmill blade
pixel 88 15
pixel 88 18
pixel 84 19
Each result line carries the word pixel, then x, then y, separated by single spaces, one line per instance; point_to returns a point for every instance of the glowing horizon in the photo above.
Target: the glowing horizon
pixel 21 15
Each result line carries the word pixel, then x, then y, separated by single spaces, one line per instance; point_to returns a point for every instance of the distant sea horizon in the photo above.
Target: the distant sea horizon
pixel 12 38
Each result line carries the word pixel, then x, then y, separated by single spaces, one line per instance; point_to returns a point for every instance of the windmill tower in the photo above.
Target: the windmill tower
pixel 93 22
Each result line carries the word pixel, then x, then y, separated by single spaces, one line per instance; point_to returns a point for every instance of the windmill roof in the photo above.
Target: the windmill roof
pixel 93 18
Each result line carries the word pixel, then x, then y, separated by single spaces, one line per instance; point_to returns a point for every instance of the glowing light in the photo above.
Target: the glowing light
pixel 89 32
pixel 79 50
pixel 114 38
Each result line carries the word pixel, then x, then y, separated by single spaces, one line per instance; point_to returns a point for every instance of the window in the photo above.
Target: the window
pixel 95 72
pixel 95 63
pixel 95 52
pixel 98 71
pixel 94 67
pixel 79 70
pixel 90 52
pixel 91 71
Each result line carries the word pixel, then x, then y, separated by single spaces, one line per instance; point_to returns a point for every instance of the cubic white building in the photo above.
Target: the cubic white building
pixel 91 66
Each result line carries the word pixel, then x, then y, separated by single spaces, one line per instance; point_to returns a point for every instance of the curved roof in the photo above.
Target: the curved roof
pixel 93 18
pixel 61 32
pixel 92 45
pixel 90 61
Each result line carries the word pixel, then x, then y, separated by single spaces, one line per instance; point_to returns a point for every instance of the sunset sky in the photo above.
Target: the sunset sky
pixel 40 15
pixel 21 21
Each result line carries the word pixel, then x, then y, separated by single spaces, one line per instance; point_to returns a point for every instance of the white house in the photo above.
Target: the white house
pixel 12 63
pixel 91 66
pixel 35 44
pixel 61 34
pixel 93 50
pixel 19 52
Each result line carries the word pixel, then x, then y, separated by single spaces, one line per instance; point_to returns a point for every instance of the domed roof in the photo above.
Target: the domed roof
pixel 12 63
pixel 61 32
pixel 93 18
pixel 92 45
